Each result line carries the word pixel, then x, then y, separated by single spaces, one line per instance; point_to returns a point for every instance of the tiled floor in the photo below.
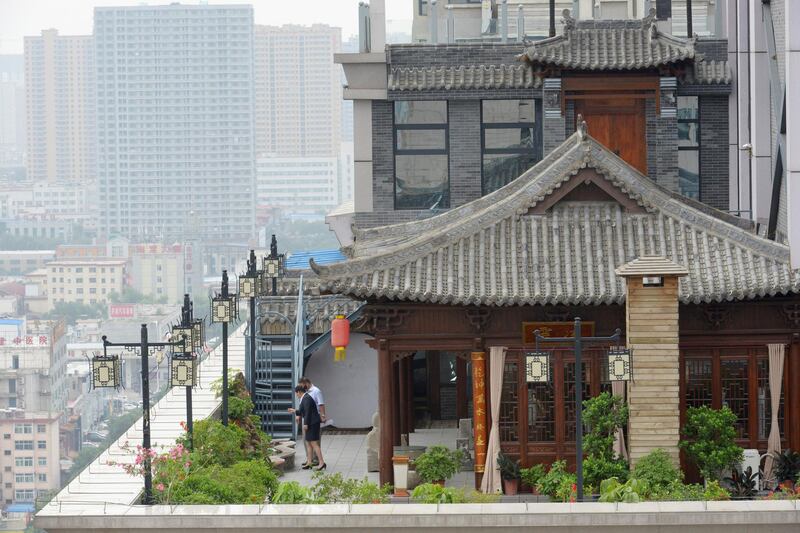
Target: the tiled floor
pixel 348 454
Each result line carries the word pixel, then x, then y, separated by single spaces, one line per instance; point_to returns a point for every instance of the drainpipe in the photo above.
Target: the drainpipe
pixel 451 25
pixel 503 21
pixel 363 27
pixel 434 22
pixel 520 24
pixel 552 31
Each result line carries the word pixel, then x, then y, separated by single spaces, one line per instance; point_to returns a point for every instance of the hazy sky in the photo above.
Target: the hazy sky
pixel 74 17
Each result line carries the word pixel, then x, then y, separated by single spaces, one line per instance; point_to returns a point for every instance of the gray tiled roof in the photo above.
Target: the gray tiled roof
pixel 492 251
pixel 320 311
pixel 518 76
pixel 710 73
pixel 610 45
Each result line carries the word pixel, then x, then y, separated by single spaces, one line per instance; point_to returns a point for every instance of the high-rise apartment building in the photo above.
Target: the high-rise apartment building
pixel 175 121
pixel 59 89
pixel 298 91
pixel 12 109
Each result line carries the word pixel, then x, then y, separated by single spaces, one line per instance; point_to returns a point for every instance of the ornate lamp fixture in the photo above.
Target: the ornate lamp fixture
pixel 619 364
pixel 106 371
pixel 224 309
pixel 249 284
pixel 187 335
pixel 537 367
pixel 183 370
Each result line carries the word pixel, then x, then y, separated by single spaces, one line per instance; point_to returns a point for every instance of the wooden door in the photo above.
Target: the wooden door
pixel 619 124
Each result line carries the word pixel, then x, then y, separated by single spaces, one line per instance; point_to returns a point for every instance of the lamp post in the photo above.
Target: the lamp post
pixel 224 309
pixel 273 265
pixel 249 287
pixel 538 369
pixel 183 367
pixel 105 373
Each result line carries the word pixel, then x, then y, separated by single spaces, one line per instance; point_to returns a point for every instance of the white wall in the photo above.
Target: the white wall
pixel 350 387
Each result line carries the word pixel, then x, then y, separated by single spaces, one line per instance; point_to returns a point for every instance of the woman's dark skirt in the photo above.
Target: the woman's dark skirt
pixel 312 433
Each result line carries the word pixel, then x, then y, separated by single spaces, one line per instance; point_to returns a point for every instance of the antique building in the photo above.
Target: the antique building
pixel 550 246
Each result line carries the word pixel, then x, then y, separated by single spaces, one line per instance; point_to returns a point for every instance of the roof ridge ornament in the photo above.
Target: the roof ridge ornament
pixel 582 129
pixel 650 20
pixel 569 22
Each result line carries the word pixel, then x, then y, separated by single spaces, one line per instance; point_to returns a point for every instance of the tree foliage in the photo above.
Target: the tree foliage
pixel 710 441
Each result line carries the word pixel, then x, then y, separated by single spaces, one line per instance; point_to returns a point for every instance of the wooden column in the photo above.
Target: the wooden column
pixel 410 395
pixel 396 405
pixel 792 396
pixel 461 387
pixel 402 372
pixel 385 412
pixel 652 335
pixel 479 417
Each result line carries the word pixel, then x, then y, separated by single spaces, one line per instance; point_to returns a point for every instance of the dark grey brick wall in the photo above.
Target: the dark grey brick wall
pixel 420 55
pixel 713 49
pixel 714 174
pixel 465 151
pixel 662 147
pixel 382 156
pixel 468 94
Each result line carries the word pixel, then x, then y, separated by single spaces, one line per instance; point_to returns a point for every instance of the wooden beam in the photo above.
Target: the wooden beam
pixel 461 388
pixel 792 396
pixel 385 412
pixel 403 395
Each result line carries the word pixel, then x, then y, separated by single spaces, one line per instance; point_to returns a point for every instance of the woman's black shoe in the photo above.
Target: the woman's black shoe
pixel 306 466
pixel 323 466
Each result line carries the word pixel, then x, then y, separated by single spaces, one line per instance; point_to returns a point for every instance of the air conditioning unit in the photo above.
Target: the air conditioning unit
pixel 752 459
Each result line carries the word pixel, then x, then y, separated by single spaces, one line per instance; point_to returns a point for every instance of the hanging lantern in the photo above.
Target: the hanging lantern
pixel 248 285
pixel 537 367
pixel 106 370
pixel 183 371
pixel 186 334
pixel 223 309
pixel 619 364
pixel 340 336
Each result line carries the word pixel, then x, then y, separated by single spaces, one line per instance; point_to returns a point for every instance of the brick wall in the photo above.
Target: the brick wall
pixel 662 147
pixel 465 151
pixel 714 161
pixel 419 55
pixel 713 49
pixel 382 156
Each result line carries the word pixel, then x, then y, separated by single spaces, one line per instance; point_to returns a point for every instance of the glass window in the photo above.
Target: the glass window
pixel 41 428
pixel 41 444
pixel 23 445
pixel 689 146
pixel 42 461
pixel 421 155
pixel 24 461
pixel 509 404
pixel 511 140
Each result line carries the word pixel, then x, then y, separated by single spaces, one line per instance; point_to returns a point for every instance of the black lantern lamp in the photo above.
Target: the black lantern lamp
pixel 183 370
pixel 249 284
pixel 619 364
pixel 224 309
pixel 537 367
pixel 187 335
pixel 106 371
pixel 198 334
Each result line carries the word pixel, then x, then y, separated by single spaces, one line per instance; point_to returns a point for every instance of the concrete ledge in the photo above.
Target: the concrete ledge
pixel 705 517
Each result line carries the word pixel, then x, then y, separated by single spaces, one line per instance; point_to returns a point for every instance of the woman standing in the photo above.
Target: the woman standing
pixel 307 409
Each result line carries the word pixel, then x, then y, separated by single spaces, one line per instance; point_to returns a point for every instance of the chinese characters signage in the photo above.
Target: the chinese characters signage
pixel 554 329
pixel 121 311
pixel 27 340
pixel 479 408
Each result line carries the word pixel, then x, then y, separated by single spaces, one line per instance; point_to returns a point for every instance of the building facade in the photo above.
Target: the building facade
pixel 87 281
pixel 299 184
pixel 19 262
pixel 30 460
pixel 60 106
pixel 12 110
pixel 298 91
pixel 175 122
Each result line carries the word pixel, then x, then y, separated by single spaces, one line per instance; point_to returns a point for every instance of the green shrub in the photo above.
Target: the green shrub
pixel 335 488
pixel 244 482
pixel 657 470
pixel 218 444
pixel 677 491
pixel 290 492
pixel 239 409
pixel 787 466
pixel 558 482
pixel 632 491
pixel 603 415
pixel 433 493
pixel 531 476
pixel 476 496
pixel 509 468
pixel 710 440
pixel 438 463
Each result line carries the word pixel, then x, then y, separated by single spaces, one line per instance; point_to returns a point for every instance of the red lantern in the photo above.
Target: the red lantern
pixel 340 336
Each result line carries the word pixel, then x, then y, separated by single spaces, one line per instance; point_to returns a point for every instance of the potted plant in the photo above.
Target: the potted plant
pixel 438 464
pixel 509 473
pixel 787 467
pixel 531 476
pixel 711 441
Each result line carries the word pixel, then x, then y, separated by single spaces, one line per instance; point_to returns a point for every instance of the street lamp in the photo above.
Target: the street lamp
pixel 273 266
pixel 577 341
pixel 183 365
pixel 105 373
pixel 249 287
pixel 224 310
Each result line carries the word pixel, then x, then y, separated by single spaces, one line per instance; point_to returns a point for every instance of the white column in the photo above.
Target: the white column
pixel 760 107
pixel 362 156
pixel 792 23
pixel 377 16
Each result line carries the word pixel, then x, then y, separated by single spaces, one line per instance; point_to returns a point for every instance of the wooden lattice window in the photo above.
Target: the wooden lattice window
pixel 541 412
pixel 735 393
pixel 698 382
pixel 509 403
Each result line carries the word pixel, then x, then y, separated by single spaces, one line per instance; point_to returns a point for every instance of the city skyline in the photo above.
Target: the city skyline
pixel 27 18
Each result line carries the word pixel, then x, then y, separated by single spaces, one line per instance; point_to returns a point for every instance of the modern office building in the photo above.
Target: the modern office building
pixel 175 121
pixel 298 91
pixel 60 106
